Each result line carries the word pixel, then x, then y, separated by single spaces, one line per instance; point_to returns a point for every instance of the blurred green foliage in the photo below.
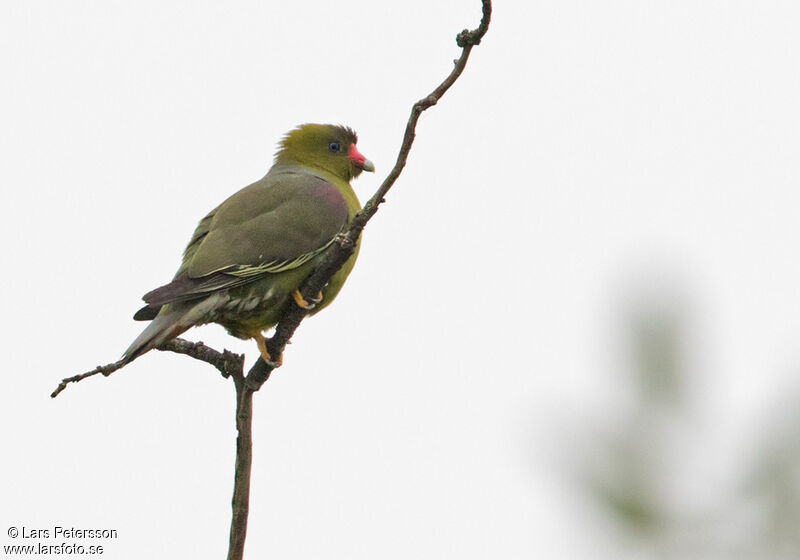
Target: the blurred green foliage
pixel 635 476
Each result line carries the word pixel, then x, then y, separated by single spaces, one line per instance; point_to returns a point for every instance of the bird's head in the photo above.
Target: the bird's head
pixel 324 146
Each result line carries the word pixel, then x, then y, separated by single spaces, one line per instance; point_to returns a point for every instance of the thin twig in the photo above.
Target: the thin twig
pixel 226 361
pixel 106 370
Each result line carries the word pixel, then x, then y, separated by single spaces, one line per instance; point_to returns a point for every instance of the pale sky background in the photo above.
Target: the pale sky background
pixel 595 157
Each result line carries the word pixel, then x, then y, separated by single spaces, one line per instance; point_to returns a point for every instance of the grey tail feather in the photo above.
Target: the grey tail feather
pixel 172 322
pixel 163 328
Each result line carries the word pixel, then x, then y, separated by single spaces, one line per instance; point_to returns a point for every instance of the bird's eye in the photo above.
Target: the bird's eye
pixel 334 147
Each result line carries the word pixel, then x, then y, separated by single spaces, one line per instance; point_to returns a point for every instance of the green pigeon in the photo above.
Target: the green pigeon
pixel 247 258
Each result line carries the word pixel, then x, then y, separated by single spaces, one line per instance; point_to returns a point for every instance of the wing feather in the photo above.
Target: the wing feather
pixel 276 224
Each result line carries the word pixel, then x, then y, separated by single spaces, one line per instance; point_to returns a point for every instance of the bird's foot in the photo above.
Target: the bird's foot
pixel 307 305
pixel 261 342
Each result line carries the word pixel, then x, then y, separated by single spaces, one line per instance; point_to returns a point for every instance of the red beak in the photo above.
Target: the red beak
pixel 359 160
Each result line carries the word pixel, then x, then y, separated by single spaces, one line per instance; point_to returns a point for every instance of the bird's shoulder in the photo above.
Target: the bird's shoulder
pixel 282 187
pixel 283 218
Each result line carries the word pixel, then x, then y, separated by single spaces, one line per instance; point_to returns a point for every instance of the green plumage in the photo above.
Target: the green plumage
pixel 248 255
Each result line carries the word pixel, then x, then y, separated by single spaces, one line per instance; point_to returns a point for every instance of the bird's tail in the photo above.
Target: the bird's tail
pixel 171 321
pixel 164 327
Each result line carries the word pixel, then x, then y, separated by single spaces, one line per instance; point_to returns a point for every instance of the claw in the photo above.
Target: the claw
pixel 307 305
pixel 261 342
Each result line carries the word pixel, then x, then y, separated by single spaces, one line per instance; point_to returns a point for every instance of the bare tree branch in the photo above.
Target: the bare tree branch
pixel 226 361
pixel 240 504
pixel 337 255
pixel 345 243
pixel 232 365
pixel 106 370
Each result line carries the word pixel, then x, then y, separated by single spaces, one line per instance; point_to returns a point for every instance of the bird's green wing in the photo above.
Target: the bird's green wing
pixel 276 224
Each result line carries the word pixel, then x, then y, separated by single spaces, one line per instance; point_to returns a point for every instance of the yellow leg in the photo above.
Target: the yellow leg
pixel 261 342
pixel 301 302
